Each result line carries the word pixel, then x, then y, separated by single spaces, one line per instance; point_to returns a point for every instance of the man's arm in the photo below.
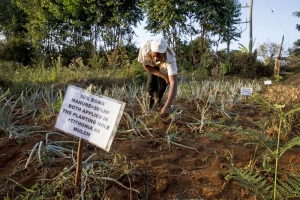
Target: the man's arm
pixel 156 72
pixel 165 111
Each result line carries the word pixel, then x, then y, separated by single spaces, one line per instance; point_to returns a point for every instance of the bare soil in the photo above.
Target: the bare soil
pixel 162 170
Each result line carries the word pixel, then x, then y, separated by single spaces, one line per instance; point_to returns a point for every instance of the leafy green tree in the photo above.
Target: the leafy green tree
pixel 216 17
pixel 294 53
pixel 53 25
pixel 228 30
pixel 116 32
pixel 176 18
pixel 16 49
pixel 297 14
pixel 268 51
pixel 166 17
pixel 118 28
pixel 295 50
pixel 12 20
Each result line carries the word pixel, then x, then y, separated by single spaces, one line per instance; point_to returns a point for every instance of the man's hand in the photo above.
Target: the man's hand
pixel 166 77
pixel 165 111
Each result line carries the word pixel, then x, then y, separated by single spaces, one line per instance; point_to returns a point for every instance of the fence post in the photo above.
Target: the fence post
pixel 277 61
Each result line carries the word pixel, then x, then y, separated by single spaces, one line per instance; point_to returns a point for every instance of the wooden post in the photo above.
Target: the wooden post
pixel 79 151
pixel 277 61
pixel 79 162
pixel 276 67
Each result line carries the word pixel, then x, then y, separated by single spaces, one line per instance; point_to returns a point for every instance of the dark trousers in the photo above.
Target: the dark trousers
pixel 156 87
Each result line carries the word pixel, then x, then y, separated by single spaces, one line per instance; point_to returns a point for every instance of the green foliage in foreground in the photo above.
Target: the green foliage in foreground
pixel 259 184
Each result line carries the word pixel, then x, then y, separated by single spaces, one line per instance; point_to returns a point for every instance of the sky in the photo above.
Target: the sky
pixel 271 19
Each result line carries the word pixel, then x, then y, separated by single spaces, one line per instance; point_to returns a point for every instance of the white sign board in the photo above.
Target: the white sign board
pixel 268 82
pixel 246 91
pixel 90 117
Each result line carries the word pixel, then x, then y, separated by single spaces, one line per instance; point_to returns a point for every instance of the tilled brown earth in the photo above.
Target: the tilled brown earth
pixel 192 167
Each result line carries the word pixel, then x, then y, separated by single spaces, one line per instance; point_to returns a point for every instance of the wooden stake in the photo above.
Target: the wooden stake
pixel 277 60
pixel 79 162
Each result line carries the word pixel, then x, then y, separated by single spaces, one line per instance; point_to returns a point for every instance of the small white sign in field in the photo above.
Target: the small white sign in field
pixel 246 91
pixel 90 117
pixel 268 82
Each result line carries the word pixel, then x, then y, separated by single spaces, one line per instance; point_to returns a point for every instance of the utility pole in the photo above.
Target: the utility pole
pixel 250 27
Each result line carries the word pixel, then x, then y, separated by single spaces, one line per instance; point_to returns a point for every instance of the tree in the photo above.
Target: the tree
pixel 295 50
pixel 294 53
pixel 12 20
pixel 176 18
pixel 228 30
pixel 217 17
pixel 166 17
pixel 16 49
pixel 268 51
pixel 54 24
pixel 118 27
pixel 205 14
pixel 297 14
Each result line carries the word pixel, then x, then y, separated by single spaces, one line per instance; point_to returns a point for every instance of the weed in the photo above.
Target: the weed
pixel 255 181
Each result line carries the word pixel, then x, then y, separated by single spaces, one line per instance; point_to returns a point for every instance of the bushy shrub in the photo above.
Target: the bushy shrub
pixel 17 50
pixel 200 74
pixel 244 63
pixel 67 53
pixel 209 60
pixel 221 69
pixel 263 70
pixel 135 72
pixel 97 61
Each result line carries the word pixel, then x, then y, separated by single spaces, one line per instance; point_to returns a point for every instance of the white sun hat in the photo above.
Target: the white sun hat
pixel 159 45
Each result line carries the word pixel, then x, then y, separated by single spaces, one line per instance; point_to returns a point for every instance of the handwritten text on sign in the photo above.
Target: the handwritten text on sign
pixel 246 91
pixel 90 117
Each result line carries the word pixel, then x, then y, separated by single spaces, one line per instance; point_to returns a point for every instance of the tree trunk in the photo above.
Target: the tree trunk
pixel 201 49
